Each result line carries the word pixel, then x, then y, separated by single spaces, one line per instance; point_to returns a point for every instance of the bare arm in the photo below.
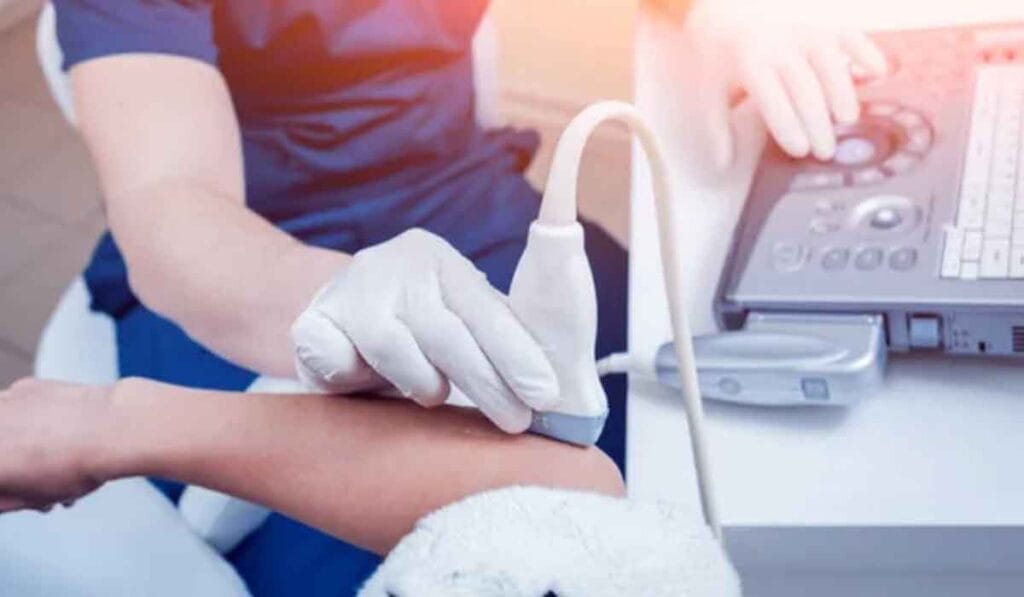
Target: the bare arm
pixel 362 469
pixel 166 143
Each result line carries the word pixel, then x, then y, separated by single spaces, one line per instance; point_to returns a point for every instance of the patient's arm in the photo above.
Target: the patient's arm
pixel 362 469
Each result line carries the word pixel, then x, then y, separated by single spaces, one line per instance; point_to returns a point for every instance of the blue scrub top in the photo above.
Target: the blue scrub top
pixel 357 116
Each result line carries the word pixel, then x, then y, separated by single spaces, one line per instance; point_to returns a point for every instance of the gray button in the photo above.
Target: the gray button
pixel 729 386
pixel 925 331
pixel 868 176
pixel 823 226
pixel 886 218
pixel 816 180
pixel 868 259
pixel 788 256
pixel 854 151
pixel 829 206
pixel 835 259
pixel 814 388
pixel 903 259
pixel 901 162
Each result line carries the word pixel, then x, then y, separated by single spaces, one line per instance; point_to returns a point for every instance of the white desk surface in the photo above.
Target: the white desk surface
pixel 942 447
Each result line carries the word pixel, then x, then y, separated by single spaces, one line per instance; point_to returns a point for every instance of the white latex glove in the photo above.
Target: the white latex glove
pixel 414 315
pixel 800 76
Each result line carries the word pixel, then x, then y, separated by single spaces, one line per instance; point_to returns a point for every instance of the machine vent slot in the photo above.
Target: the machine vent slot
pixel 1018 338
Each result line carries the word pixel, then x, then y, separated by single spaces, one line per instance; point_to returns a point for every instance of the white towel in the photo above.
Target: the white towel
pixel 532 542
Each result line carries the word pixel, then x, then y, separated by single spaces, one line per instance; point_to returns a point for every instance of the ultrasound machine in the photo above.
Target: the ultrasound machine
pixel 910 239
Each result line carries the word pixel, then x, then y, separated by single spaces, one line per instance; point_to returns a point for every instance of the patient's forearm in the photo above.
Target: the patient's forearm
pixel 362 469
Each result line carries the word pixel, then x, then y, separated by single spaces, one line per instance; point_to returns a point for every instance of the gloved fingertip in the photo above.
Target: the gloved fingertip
pixel 308 363
pixel 796 146
pixel 825 151
pixel 848 113
pixel 515 423
pixel 308 322
pixel 431 398
pixel 507 413
pixel 879 66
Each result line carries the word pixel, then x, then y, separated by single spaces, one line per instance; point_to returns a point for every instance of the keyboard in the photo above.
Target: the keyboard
pixel 986 242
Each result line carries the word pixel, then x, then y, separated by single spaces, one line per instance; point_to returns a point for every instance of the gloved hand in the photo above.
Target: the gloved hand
pixel 800 76
pixel 414 315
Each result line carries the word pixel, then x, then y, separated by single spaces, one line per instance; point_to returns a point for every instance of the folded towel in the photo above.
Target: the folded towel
pixel 534 542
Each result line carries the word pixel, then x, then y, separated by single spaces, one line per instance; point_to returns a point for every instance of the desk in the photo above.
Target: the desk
pixel 916 491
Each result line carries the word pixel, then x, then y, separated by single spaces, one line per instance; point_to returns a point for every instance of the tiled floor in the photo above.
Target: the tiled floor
pixel 50 213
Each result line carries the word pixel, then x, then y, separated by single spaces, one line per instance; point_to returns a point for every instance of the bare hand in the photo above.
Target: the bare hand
pixel 50 436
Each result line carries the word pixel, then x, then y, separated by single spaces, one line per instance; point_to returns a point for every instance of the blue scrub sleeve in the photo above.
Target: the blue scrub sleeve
pixel 89 29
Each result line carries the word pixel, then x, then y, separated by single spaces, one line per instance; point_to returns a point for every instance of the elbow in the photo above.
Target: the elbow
pixel 149 285
pixel 155 285
pixel 148 249
pixel 141 264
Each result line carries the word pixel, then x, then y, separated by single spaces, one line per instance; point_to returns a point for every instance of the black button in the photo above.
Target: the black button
pixel 868 259
pixel 903 259
pixel 886 218
pixel 835 259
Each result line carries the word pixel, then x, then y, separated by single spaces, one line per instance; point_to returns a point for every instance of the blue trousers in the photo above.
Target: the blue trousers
pixel 284 557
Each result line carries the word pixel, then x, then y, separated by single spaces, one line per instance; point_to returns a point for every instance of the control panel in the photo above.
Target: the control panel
pixel 874 230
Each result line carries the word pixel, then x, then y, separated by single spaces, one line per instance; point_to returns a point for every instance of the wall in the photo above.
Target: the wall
pixel 557 56
pixel 13 11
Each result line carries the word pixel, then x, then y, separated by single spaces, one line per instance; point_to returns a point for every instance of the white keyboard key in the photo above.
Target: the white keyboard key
pixel 998 229
pixel 1000 205
pixel 951 253
pixel 1003 187
pixel 971 213
pixel 995 259
pixel 975 184
pixel 983 114
pixel 988 240
pixel 972 246
pixel 1020 173
pixel 1017 262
